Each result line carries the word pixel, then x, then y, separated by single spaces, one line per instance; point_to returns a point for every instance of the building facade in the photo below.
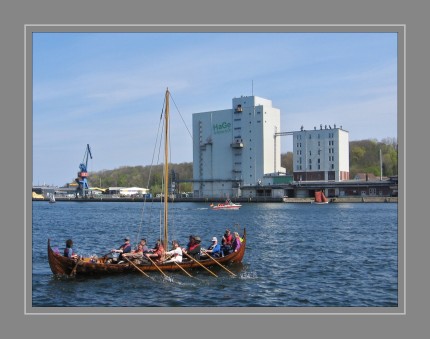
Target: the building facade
pixel 235 147
pixel 321 154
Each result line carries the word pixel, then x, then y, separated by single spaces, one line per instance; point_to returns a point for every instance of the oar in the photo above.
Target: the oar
pixel 157 267
pixel 183 269
pixel 74 268
pixel 221 265
pixel 137 267
pixel 201 264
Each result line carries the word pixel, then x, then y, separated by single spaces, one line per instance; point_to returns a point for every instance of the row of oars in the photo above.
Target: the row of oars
pixel 161 271
pixel 190 257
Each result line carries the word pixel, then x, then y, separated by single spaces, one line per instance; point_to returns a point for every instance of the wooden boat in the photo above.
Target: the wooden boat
pixel 320 198
pixel 101 266
pixel 89 266
pixel 228 205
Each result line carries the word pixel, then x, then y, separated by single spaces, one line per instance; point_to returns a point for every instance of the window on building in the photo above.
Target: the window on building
pixel 310 161
pixel 332 166
pixel 310 152
pixel 310 167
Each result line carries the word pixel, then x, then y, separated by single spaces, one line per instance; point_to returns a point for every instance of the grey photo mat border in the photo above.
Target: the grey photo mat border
pixel 15 323
pixel 399 29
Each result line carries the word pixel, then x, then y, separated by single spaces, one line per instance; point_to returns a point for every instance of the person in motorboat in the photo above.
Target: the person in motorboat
pixel 214 250
pixel 68 250
pixel 175 254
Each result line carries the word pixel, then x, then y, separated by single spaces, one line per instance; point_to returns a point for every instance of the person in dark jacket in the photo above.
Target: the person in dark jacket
pixel 68 251
pixel 194 248
pixel 124 248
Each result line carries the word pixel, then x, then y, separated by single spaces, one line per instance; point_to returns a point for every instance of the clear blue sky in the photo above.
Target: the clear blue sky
pixel 107 89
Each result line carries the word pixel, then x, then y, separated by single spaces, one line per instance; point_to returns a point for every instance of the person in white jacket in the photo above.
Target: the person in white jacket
pixel 175 254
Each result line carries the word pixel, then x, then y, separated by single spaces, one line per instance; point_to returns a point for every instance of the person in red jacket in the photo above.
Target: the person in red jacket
pixel 194 248
pixel 226 242
pixel 156 253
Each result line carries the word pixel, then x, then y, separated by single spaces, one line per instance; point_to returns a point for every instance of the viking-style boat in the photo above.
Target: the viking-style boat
pixel 82 266
pixel 320 198
pixel 89 266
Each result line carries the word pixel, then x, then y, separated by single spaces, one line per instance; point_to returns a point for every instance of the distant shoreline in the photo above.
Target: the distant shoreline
pixel 366 199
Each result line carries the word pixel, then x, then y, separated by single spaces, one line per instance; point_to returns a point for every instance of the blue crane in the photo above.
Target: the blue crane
pixel 81 180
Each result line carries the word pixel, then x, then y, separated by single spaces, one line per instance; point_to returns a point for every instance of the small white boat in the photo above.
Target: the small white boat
pixel 228 205
pixel 52 199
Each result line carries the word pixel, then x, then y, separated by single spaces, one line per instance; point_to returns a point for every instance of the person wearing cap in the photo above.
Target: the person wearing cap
pixel 194 248
pixel 124 248
pixel 175 254
pixel 214 250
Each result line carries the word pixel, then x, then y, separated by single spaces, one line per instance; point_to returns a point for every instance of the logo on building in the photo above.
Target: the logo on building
pixel 224 127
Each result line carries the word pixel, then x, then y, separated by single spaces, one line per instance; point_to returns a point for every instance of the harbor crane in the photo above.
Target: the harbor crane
pixel 81 180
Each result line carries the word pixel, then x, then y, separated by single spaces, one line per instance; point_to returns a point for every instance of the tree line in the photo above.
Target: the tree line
pixel 364 157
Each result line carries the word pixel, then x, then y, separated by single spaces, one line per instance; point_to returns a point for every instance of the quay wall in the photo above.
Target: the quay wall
pixel 366 199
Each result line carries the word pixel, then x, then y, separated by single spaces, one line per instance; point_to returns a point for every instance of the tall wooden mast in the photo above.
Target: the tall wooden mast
pixel 166 169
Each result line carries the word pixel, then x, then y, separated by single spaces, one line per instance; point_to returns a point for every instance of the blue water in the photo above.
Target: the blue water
pixel 298 255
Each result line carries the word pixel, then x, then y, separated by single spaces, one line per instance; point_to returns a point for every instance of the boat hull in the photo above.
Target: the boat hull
pixel 225 206
pixel 61 265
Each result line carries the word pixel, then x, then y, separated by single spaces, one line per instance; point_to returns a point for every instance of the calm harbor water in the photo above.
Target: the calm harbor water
pixel 298 255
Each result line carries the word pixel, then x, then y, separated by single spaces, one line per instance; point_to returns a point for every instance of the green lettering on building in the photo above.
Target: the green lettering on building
pixel 223 127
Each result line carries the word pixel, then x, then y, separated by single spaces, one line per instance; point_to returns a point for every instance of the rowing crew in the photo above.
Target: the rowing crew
pixel 193 249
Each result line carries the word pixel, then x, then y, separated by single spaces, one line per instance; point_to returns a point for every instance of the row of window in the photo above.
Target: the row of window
pixel 299 167
pixel 299 136
pixel 330 143
pixel 330 158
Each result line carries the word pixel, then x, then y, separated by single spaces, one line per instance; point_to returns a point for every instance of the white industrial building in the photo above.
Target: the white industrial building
pixel 235 147
pixel 321 154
